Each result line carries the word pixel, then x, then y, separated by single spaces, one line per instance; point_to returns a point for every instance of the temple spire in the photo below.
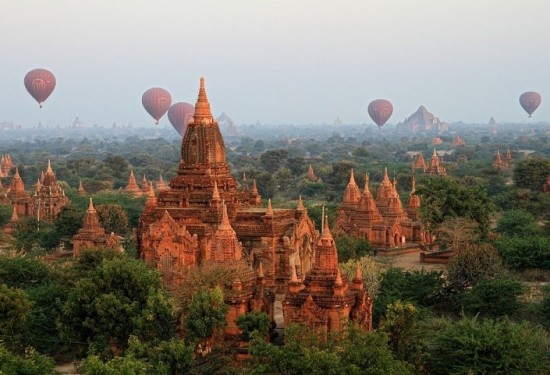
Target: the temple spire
pixel 215 192
pixel 366 190
pixel 224 225
pixel 91 208
pixel 386 178
pixel 326 231
pixel 254 187
pixel 49 169
pixel 202 107
pixel 352 178
pixel 300 205
pixel 269 211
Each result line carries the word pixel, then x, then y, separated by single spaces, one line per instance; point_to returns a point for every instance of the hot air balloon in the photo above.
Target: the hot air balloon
pixel 179 115
pixel 156 102
pixel 40 83
pixel 530 101
pixel 380 111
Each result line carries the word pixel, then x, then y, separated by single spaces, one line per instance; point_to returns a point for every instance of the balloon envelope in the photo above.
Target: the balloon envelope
pixel 156 102
pixel 380 111
pixel 179 115
pixel 530 101
pixel 40 83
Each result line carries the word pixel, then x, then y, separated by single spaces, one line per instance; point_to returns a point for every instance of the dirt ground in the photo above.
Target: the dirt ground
pixel 410 261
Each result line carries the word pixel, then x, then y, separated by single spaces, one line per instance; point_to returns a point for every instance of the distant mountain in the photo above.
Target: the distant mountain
pixel 422 120
pixel 227 125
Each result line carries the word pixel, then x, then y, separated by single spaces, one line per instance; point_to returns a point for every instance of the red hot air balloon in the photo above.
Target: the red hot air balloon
pixel 380 111
pixel 40 83
pixel 179 115
pixel 530 101
pixel 156 102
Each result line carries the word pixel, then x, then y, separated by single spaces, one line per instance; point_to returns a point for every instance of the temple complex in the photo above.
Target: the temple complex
pixel 419 162
pixel 179 228
pixel 18 196
pixel 49 197
pixel 5 165
pixel 435 166
pixel 132 187
pixel 92 234
pixel 311 175
pixel 382 221
pixel 459 141
pixel 324 300
pixel 81 190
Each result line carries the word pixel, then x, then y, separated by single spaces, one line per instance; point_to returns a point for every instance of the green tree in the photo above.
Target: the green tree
pixel 31 363
pixel 5 214
pixel 544 307
pixel 443 197
pixel 531 173
pixel 117 165
pixel 254 321
pixel 350 247
pixel 172 357
pixel 422 288
pixel 398 323
pixel 206 315
pixel 113 218
pixel 272 160
pixel 23 272
pixel 296 165
pixel 14 308
pixel 518 223
pixel 69 220
pixel 525 252
pixel 121 297
pixel 475 346
pixel 30 234
pixel 127 365
pixel 493 297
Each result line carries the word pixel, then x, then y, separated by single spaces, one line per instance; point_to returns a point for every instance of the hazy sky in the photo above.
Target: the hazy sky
pixel 283 61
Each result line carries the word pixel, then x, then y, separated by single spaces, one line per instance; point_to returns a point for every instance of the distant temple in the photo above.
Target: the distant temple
pixel 132 187
pixel 493 125
pixel 324 300
pixel 81 190
pixel 422 121
pixel 92 234
pixel 5 165
pixel 311 175
pixel 49 197
pixel 18 197
pixel 435 166
pixel 46 202
pixel 419 162
pixel 382 221
pixel 458 141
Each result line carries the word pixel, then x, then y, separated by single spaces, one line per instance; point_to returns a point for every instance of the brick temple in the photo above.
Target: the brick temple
pixel 178 228
pixel 383 220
